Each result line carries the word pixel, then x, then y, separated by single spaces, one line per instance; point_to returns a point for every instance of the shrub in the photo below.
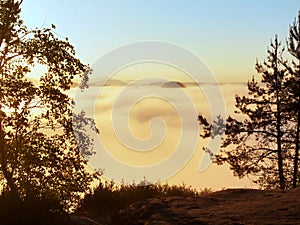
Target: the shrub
pixel 108 196
pixel 30 211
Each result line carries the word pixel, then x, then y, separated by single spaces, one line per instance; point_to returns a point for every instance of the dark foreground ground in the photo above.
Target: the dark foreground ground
pixel 232 206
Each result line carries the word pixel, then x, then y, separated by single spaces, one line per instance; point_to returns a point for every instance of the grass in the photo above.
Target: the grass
pixel 108 196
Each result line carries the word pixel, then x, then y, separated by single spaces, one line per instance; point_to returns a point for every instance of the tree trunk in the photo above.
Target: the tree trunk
pixel 279 155
pixel 296 159
pixel 278 125
pixel 3 163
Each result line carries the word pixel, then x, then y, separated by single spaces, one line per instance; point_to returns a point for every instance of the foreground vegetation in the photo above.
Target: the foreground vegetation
pixel 100 203
pixel 31 210
pixel 110 196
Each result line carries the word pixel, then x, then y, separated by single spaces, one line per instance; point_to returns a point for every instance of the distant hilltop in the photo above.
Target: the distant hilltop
pixel 173 84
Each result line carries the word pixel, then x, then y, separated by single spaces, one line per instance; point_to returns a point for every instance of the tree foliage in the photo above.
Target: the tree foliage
pixel 39 153
pixel 263 142
pixel 293 86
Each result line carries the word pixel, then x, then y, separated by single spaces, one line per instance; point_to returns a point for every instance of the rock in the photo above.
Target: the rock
pixel 232 206
pixel 83 220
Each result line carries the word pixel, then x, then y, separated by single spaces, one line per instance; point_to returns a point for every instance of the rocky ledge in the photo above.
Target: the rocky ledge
pixel 232 206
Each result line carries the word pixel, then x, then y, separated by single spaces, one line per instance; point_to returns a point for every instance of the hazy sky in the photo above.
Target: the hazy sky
pixel 227 36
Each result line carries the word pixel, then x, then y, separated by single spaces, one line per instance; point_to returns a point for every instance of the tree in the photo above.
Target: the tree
pixel 293 85
pixel 257 145
pixel 266 143
pixel 39 153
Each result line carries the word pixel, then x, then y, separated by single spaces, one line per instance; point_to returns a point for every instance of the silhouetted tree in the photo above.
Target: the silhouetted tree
pixel 39 153
pixel 253 145
pixel 266 143
pixel 293 86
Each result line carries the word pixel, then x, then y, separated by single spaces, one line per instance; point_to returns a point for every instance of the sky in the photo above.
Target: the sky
pixel 227 36
pixel 224 34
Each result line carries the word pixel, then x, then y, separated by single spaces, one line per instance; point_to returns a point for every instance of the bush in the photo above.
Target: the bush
pixel 30 211
pixel 108 196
